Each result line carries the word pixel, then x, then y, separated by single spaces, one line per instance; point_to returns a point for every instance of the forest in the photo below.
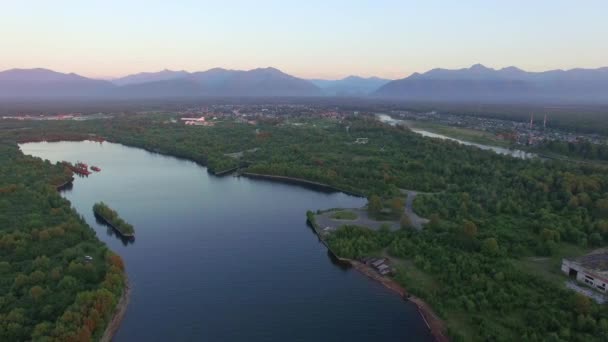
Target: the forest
pixel 111 216
pixel 488 212
pixel 49 291
pixel 578 150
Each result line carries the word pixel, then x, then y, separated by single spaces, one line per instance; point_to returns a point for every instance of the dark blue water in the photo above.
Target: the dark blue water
pixel 227 259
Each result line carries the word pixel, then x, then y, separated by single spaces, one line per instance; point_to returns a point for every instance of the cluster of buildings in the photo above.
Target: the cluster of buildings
pixel 381 265
pixel 530 133
pixel 58 117
pixel 253 113
pixel 197 121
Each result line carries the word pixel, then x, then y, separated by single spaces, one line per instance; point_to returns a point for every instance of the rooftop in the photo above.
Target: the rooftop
pixel 596 261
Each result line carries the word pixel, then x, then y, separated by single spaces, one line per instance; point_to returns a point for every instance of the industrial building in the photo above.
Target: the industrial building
pixel 590 269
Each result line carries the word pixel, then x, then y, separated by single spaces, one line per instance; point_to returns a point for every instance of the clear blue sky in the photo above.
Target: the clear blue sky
pixel 327 39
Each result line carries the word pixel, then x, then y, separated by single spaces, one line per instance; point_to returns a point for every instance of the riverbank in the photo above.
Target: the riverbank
pixel 121 307
pixel 65 185
pixel 436 325
pixel 301 181
pixel 119 313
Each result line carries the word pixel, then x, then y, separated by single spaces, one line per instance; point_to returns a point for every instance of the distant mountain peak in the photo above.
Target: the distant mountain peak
pixel 351 85
pixel 153 76
pixel 512 68
pixel 479 66
pixel 270 70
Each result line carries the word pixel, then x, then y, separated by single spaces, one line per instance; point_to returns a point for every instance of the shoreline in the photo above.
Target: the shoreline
pixel 301 181
pixel 121 307
pixel 64 185
pixel 119 313
pixel 436 325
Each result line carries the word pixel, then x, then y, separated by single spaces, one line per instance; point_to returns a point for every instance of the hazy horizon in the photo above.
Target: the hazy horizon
pixel 112 78
pixel 389 39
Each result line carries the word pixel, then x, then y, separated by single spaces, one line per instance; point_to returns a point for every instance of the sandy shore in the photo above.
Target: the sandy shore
pixel 121 309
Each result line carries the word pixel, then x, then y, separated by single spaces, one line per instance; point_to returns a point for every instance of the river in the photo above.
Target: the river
pixel 226 258
pixel 500 150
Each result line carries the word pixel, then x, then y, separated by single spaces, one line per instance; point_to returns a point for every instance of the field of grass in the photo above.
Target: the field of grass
pixel 344 215
pixel 466 134
pixel 549 268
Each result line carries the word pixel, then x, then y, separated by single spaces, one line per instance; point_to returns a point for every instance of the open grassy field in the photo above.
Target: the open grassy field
pixel 466 134
pixel 344 215
pixel 549 268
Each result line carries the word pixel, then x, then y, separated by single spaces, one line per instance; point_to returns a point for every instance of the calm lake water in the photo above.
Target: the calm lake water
pixel 500 150
pixel 227 259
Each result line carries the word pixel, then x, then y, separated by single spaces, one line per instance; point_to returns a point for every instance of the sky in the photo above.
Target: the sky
pixel 309 39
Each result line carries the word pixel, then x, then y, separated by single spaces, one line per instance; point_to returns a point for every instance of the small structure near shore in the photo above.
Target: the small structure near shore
pixel 381 265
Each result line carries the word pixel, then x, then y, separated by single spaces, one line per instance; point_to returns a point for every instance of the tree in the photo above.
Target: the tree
pixel 601 207
pixel 595 239
pixel 374 205
pixel 469 229
pixel 490 247
pixel 397 206
pixel 36 292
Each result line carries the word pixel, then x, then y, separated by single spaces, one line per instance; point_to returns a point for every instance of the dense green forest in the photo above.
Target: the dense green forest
pixel 489 213
pixel 49 291
pixel 112 218
pixel 580 150
pixel 475 281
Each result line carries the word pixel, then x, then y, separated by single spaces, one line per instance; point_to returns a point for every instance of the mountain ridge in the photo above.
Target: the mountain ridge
pixel 477 83
pixel 510 84
pixel 268 81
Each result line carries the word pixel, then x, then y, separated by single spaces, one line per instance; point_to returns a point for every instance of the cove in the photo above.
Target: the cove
pixel 226 258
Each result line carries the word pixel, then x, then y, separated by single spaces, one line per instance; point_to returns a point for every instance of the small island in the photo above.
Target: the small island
pixel 111 217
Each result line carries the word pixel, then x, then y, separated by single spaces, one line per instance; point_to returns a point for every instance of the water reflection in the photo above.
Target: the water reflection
pixel 343 265
pixel 110 231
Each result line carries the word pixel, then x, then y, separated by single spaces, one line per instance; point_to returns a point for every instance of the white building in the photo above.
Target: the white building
pixel 590 269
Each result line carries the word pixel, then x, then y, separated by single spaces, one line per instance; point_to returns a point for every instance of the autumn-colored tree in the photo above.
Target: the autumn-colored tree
pixel 397 206
pixel 36 292
pixel 116 260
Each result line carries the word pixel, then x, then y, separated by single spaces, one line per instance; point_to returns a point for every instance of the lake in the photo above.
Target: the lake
pixel 227 258
pixel 500 150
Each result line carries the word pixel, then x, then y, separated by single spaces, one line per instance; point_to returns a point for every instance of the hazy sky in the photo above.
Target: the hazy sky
pixel 309 38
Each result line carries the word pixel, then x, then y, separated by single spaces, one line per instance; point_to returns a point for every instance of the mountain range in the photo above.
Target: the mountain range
pixel 214 82
pixel 475 84
pixel 350 86
pixel 482 84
